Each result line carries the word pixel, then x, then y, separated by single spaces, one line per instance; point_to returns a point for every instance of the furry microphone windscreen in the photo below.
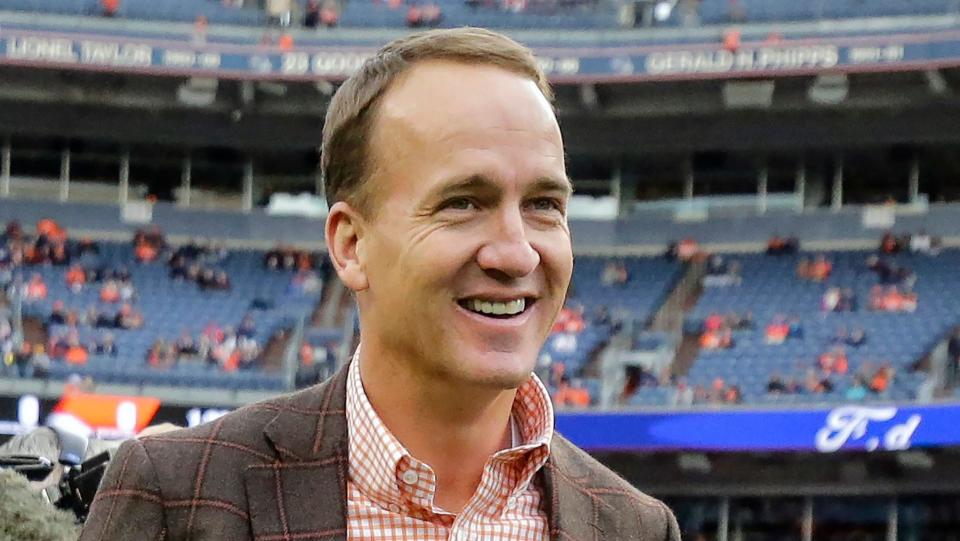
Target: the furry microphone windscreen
pixel 24 516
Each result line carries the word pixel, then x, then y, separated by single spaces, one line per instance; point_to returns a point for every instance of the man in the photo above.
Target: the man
pixel 444 166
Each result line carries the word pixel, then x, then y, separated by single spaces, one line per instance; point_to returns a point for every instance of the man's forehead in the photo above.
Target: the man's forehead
pixel 434 94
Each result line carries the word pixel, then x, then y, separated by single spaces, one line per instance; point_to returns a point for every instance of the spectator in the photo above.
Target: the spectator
pixel 820 269
pixel 76 354
pixel 834 361
pixel 58 314
pixel 815 384
pixel 161 354
pixel 75 278
pixel 414 16
pixel 330 14
pixel 795 328
pixel 145 253
pixel 563 342
pixel 109 8
pixel 213 332
pixel 777 331
pixel 40 361
pixel 719 339
pixel 200 27
pixel 222 281
pixel 738 322
pixel 683 395
pixel 280 11
pixel 128 318
pixel 687 249
pixel 36 289
pixel 126 291
pixel 778 245
pixel 569 320
pixel 857 391
pixel 776 385
pixel 718 391
pixel 185 344
pixel 889 244
pixel 431 15
pixel 722 274
pixel 881 379
pixel 714 322
pixel 857 337
pixel 571 394
pixel 830 300
pixel 110 292
pixel 311 14
pixel 248 327
pixel 21 366
pixel 848 300
pixel 106 345
pixel 732 395
pixel 614 274
pixel 803 268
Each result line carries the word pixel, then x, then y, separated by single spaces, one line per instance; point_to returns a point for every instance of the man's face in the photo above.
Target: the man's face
pixel 466 253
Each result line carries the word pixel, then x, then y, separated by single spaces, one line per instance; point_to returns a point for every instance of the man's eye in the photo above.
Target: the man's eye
pixel 459 203
pixel 546 204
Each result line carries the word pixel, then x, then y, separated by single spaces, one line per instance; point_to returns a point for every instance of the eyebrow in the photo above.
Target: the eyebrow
pixel 483 183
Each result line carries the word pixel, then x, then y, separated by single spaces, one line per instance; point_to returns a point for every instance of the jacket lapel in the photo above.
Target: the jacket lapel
pixel 574 513
pixel 302 495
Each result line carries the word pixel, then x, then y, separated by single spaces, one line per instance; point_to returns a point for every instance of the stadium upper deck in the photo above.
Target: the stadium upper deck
pixel 500 14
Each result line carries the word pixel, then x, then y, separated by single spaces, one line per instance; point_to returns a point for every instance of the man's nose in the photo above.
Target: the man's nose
pixel 507 249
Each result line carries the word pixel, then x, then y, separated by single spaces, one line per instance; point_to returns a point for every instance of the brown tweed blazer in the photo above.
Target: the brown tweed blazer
pixel 277 470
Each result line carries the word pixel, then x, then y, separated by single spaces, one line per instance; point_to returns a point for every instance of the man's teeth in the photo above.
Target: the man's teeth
pixel 496 308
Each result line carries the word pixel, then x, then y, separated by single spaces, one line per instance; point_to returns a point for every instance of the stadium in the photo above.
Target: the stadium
pixel 763 327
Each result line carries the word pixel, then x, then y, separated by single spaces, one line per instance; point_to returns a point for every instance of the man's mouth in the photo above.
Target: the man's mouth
pixel 498 309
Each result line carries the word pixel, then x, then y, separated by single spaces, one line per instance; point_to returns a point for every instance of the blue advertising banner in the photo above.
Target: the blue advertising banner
pixel 612 63
pixel 844 428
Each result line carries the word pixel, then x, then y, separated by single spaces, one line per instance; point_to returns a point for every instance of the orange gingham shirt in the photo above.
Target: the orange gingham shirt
pixel 390 493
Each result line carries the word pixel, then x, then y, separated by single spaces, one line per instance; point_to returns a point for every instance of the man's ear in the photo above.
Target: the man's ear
pixel 344 232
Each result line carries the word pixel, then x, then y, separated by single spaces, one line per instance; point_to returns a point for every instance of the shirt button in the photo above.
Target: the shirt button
pixel 410 477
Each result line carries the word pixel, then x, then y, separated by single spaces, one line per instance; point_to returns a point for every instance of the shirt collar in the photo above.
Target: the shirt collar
pixel 377 457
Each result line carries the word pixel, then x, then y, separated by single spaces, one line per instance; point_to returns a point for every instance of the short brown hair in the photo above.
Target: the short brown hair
pixel 345 156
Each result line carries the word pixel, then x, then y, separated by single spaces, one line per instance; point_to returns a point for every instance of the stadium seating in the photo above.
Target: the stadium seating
pixel 770 288
pixel 726 11
pixel 164 10
pixel 169 307
pixel 370 14
pixel 649 282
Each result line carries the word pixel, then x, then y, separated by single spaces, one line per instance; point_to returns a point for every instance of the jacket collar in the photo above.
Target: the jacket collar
pixel 311 425
pixel 309 434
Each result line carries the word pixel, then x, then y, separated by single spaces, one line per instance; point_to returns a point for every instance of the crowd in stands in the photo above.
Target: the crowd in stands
pixel 868 381
pixel 778 245
pixel 718 329
pixel 817 269
pixel 721 273
pixel 687 249
pixel 317 362
pixel 228 348
pixel 75 332
pixel 718 393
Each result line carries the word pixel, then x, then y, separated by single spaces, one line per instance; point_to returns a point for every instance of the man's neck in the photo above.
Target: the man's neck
pixel 454 430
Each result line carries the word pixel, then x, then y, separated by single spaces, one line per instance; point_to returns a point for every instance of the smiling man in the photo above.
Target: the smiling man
pixel 444 167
